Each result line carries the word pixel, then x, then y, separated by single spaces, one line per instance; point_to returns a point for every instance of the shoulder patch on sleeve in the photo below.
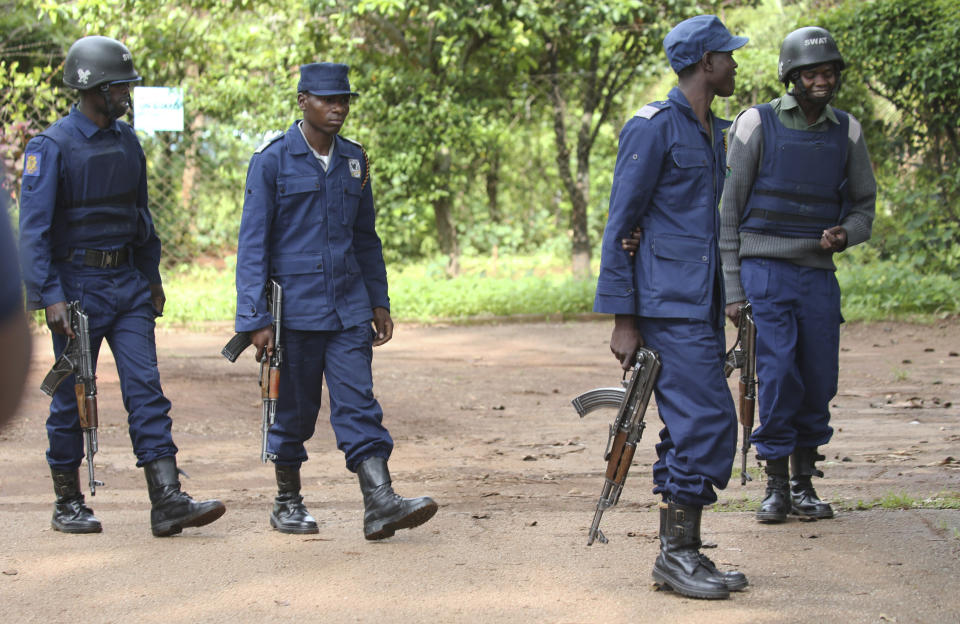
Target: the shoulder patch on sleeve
pixel 746 122
pixel 31 163
pixel 270 141
pixel 651 109
pixel 854 130
pixel 349 140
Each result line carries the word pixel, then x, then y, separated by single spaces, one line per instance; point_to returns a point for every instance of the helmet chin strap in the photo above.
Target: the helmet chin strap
pixel 802 92
pixel 113 111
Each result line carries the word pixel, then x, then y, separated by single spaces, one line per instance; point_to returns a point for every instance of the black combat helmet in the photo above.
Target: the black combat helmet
pixel 94 61
pixel 804 47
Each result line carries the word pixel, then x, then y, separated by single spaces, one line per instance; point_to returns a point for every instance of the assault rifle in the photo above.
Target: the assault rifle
pixel 743 355
pixel 77 359
pixel 269 379
pixel 626 430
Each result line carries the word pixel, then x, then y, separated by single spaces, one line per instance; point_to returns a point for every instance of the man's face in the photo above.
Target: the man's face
pixel 324 113
pixel 116 100
pixel 724 74
pixel 818 83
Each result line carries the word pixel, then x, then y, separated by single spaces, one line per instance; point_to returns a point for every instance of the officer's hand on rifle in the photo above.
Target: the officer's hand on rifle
pixel 262 339
pixel 58 319
pixel 733 312
pixel 834 239
pixel 157 298
pixel 383 324
pixel 625 340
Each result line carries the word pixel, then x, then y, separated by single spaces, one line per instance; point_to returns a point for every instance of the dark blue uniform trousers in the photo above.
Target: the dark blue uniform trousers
pixel 117 302
pixel 344 357
pixel 699 438
pixel 797 312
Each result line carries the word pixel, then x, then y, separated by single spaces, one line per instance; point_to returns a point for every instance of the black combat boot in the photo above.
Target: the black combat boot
pixel 776 504
pixel 680 566
pixel 70 515
pixel 734 580
pixel 289 514
pixel 384 510
pixel 804 499
pixel 172 509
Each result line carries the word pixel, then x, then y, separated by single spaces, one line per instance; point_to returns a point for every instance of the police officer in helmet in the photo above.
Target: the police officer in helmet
pixel 86 235
pixel 801 189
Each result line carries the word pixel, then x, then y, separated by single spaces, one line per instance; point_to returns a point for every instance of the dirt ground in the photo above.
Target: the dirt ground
pixel 482 420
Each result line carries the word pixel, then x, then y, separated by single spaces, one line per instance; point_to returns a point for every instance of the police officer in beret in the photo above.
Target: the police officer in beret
pixel 668 295
pixel 801 189
pixel 308 223
pixel 86 235
pixel 15 342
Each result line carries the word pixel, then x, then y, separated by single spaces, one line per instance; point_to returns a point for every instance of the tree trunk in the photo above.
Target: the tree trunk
pixel 443 213
pixel 577 189
pixel 493 186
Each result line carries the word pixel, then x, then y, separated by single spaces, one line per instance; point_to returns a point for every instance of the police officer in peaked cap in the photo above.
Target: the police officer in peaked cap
pixel 668 293
pixel 801 189
pixel 308 223
pixel 86 235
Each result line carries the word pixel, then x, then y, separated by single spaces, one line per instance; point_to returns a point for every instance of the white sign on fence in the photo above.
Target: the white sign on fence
pixel 158 109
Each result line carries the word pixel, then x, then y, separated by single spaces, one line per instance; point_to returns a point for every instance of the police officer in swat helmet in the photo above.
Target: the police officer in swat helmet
pixel 86 234
pixel 309 223
pixel 801 189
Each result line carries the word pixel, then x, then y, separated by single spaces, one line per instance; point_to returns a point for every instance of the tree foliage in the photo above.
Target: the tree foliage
pixel 587 55
pixel 905 52
pixel 491 125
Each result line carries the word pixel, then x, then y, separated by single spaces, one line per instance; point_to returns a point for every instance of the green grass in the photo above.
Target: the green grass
pixel 737 504
pixel 199 294
pixel 881 290
pixel 542 286
pixel 901 500
pixel 756 473
pixel 488 287
pixel 421 292
pixel 889 501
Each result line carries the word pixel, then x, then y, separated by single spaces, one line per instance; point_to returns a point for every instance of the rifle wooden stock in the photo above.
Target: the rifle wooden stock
pixel 748 406
pixel 626 460
pixel 274 392
pixel 615 457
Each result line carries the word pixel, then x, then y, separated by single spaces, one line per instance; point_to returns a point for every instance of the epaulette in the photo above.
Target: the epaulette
pixel 270 141
pixel 366 160
pixel 651 109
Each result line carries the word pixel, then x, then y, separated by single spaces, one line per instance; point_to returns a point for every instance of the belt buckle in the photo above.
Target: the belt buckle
pixel 108 259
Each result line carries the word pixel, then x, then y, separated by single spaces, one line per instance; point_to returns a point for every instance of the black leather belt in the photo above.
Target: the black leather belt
pixel 104 259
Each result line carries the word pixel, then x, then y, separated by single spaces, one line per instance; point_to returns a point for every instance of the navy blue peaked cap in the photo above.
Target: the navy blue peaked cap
pixel 324 79
pixel 692 38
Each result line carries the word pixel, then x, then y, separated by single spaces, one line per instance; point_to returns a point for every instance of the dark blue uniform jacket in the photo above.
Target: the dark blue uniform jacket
pixel 668 180
pixel 312 231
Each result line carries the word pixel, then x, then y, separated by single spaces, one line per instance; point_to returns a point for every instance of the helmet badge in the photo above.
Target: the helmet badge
pixel 83 75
